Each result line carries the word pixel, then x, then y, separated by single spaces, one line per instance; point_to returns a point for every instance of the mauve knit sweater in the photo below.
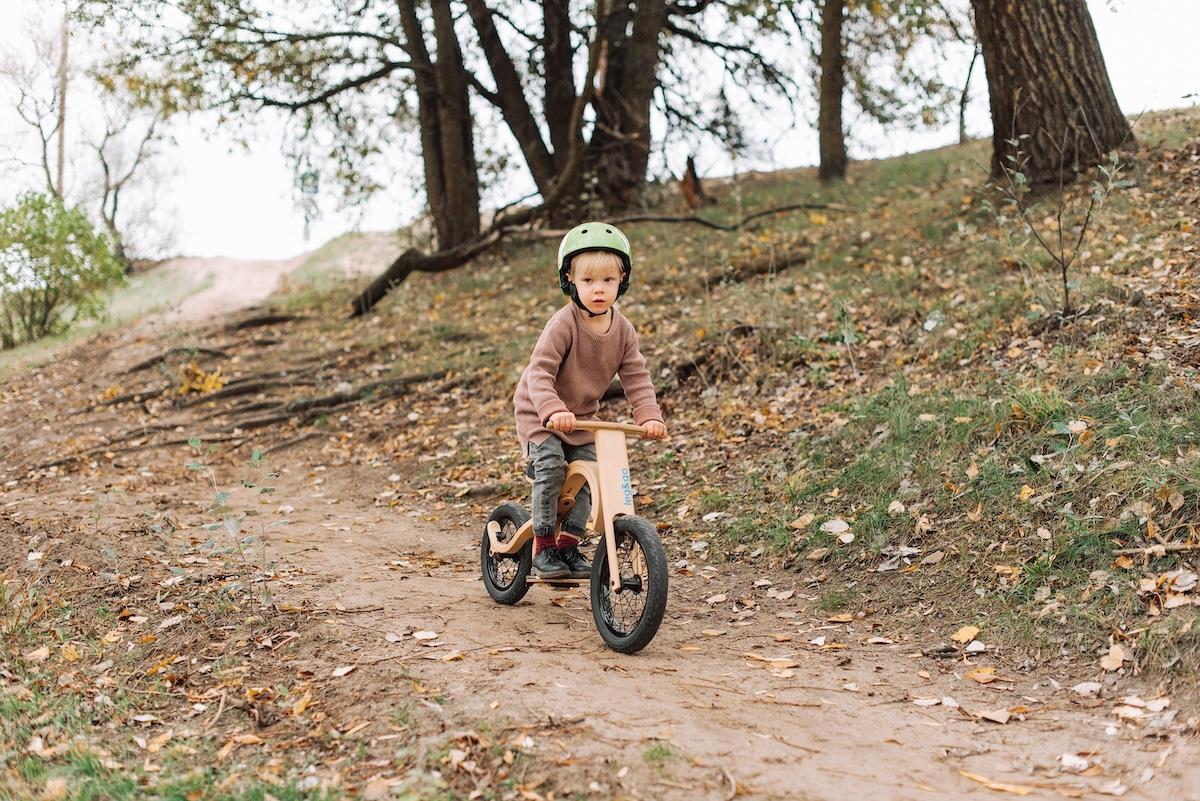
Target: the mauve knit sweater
pixel 569 371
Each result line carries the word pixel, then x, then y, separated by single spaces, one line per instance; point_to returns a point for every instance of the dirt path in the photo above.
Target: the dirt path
pixel 228 285
pixel 743 692
pixel 759 704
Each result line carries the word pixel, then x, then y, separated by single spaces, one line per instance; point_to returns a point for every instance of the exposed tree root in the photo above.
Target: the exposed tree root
pixel 162 357
pixel 262 320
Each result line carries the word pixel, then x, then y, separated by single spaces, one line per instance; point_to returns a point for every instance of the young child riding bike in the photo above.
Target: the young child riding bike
pixel 583 346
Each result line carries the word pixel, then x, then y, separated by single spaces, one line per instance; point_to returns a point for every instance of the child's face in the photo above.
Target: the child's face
pixel 597 284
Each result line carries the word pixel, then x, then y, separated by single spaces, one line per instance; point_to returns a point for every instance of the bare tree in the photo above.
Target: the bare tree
pixel 128 143
pixel 37 101
pixel 105 168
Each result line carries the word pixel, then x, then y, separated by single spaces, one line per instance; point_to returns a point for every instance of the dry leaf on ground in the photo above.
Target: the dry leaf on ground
pixel 965 634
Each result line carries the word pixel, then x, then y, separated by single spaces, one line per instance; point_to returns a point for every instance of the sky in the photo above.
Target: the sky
pixel 224 199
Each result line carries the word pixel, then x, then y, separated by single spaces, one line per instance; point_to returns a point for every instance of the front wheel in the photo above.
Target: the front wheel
pixel 504 574
pixel 629 619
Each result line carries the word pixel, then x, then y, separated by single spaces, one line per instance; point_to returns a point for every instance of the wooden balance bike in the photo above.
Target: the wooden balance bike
pixel 629 570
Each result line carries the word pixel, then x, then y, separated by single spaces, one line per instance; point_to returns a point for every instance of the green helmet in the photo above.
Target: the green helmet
pixel 592 236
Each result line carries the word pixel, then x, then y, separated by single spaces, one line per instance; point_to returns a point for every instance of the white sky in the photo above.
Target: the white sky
pixel 231 201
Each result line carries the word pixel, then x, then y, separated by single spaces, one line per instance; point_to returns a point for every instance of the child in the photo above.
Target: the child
pixel 581 349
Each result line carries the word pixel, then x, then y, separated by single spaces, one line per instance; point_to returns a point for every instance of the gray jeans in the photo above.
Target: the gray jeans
pixel 550 460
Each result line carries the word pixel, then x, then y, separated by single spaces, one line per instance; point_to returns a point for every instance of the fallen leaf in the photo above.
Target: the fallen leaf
pixel 934 558
pixel 981 675
pixel 817 554
pixel 38 654
pixel 55 789
pixel 1073 763
pixel 70 653
pixel 1087 688
pixel 716 599
pixel 995 715
pixel 425 635
pixel 965 634
pixel 1015 789
pixel 845 617
pixel 712 633
pixel 835 526
pixel 1115 657
pixel 895 508
pixel 803 521
pixel 1026 492
pixel 338 672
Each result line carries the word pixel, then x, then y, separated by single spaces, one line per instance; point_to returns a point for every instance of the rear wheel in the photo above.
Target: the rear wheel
pixel 504 574
pixel 629 619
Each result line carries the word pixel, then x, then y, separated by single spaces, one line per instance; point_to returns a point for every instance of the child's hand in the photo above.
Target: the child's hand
pixel 656 429
pixel 562 421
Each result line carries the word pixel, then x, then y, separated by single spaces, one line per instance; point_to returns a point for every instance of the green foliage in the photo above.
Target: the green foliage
pixel 53 266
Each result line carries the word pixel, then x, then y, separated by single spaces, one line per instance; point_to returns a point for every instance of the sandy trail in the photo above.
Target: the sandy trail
pixel 826 723
pixel 229 285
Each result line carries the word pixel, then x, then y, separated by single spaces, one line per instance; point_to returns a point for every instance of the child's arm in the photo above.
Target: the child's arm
pixel 639 388
pixel 548 354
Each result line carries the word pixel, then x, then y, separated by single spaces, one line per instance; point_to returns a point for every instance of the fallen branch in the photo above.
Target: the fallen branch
pixel 296 440
pixel 262 320
pixel 162 357
pixel 140 395
pixel 145 446
pixel 413 260
pixel 769 263
pixel 233 390
pixel 707 223
pixel 1158 550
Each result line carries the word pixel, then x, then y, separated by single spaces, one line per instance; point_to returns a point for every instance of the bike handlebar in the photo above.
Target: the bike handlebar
pixel 601 425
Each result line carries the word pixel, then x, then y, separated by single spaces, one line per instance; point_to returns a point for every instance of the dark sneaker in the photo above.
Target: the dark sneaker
pixel 548 564
pixel 575 561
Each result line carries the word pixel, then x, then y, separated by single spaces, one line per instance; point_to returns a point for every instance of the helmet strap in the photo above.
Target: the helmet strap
pixel 579 303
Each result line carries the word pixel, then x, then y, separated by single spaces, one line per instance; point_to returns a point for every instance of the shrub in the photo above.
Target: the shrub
pixel 53 266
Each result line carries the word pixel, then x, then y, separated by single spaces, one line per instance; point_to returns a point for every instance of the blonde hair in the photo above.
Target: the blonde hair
pixel 590 262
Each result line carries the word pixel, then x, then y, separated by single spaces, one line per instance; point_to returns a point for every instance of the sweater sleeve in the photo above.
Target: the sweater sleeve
pixel 548 354
pixel 635 380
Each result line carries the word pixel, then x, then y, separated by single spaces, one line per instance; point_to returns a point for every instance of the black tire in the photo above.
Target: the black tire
pixel 630 624
pixel 504 576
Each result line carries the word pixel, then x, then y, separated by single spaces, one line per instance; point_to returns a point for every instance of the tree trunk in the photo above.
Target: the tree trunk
pixel 833 82
pixel 1053 107
pixel 619 150
pixel 560 96
pixel 460 212
pixel 510 97
pixel 447 138
pixel 63 64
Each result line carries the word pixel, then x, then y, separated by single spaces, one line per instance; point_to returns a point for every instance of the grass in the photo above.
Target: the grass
pixel 144 293
pixel 658 754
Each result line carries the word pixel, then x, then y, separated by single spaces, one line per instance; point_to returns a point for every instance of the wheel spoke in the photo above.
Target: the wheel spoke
pixel 623 614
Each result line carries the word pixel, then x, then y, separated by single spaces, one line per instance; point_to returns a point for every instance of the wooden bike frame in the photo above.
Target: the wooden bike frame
pixel 612 494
